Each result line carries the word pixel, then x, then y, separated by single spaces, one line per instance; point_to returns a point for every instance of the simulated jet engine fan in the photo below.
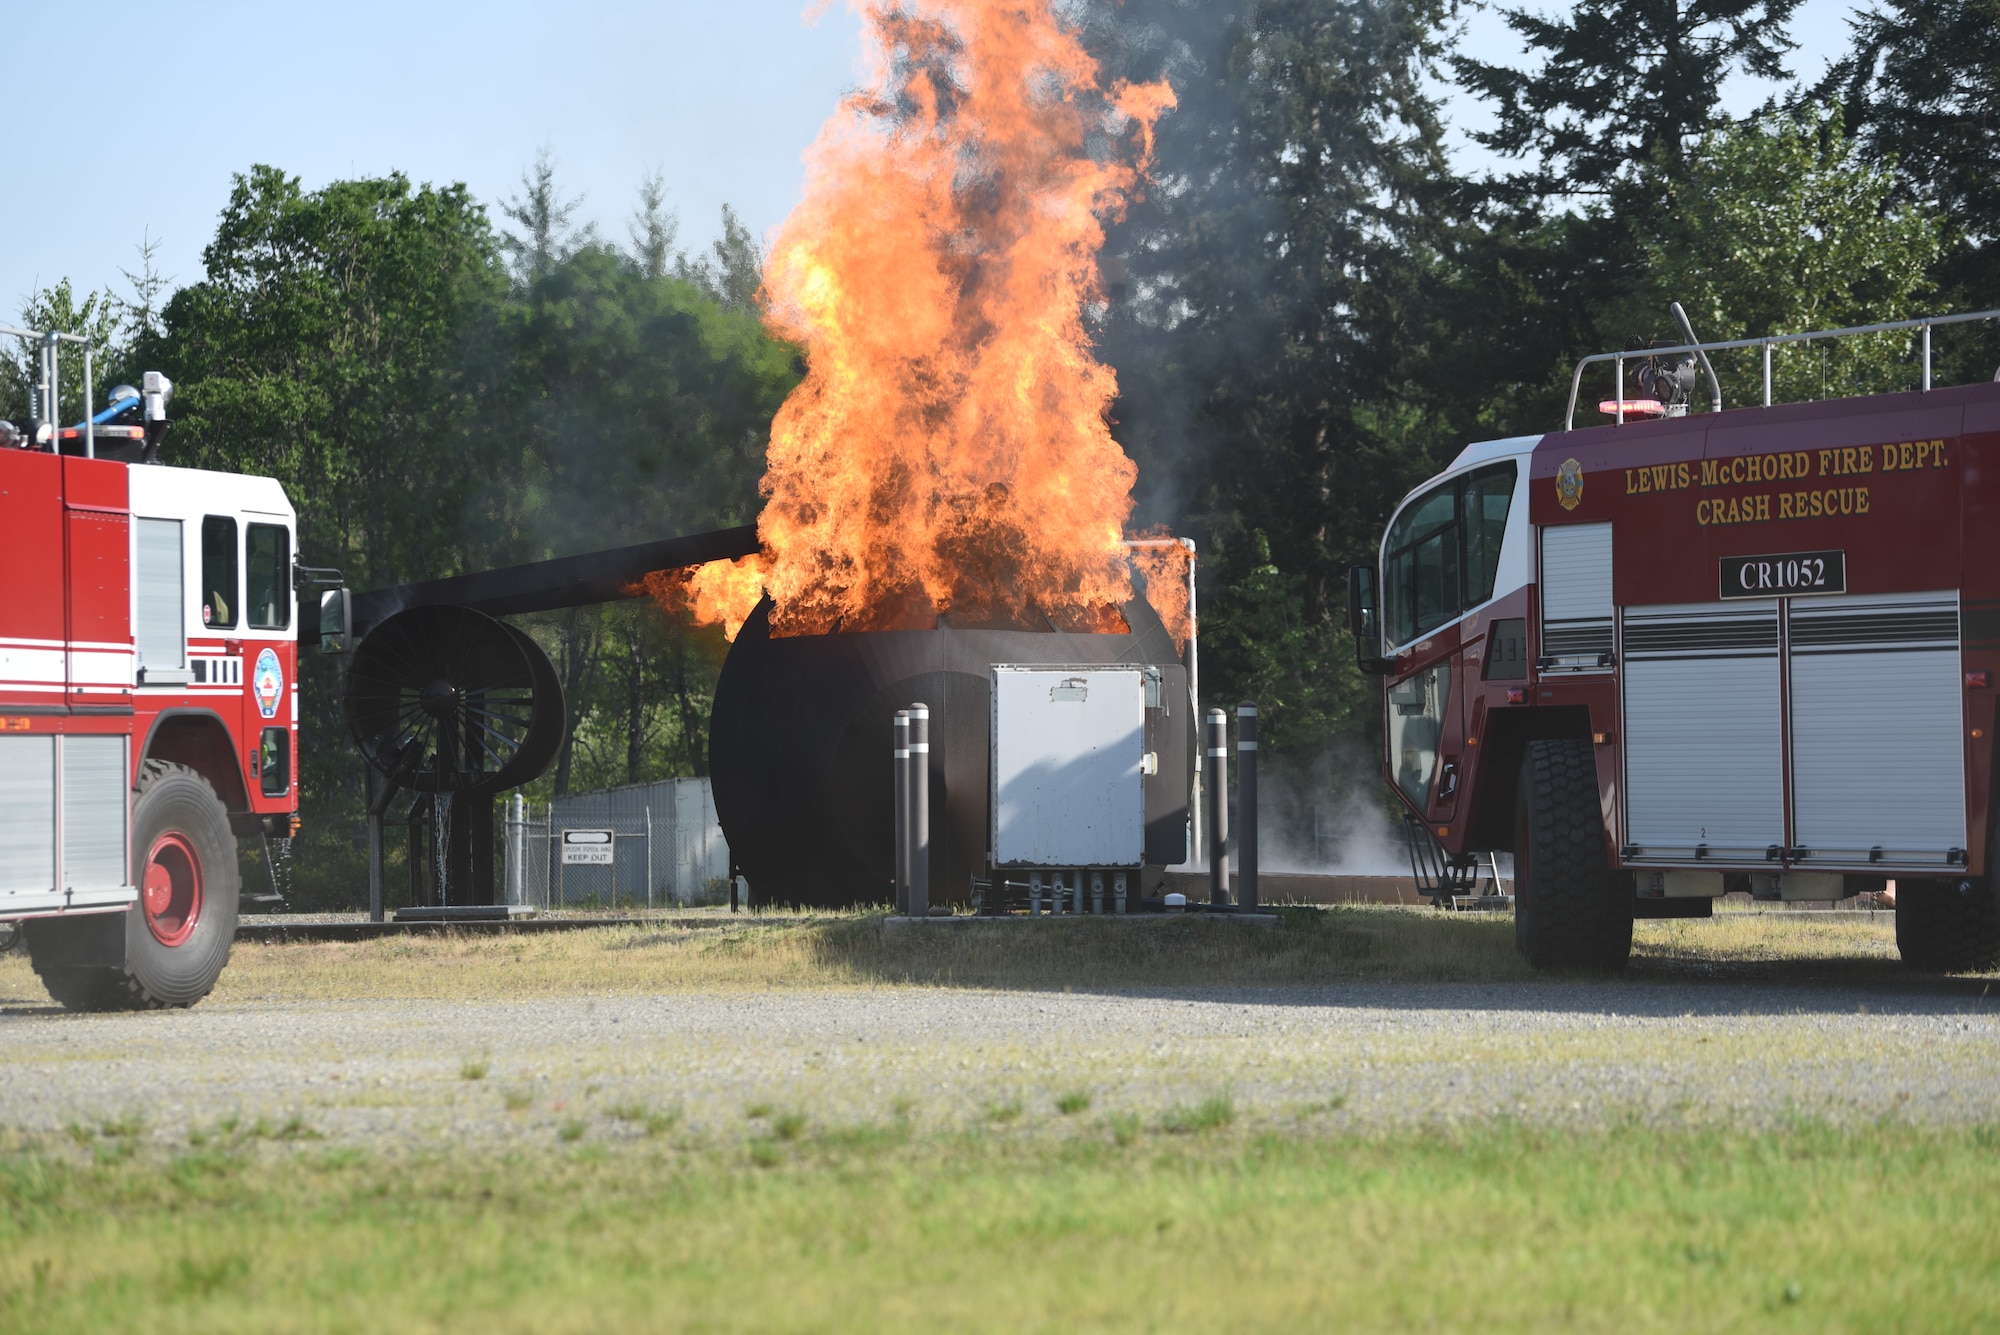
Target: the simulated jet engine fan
pixel 444 699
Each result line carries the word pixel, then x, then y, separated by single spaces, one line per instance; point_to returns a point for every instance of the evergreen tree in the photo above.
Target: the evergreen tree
pixel 1270 316
pixel 1621 87
pixel 1922 86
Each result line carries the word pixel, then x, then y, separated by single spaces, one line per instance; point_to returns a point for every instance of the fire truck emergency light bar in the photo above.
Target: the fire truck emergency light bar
pixel 1618 359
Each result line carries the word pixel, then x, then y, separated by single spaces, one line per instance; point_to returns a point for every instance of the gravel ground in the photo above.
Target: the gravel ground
pixel 1380 1058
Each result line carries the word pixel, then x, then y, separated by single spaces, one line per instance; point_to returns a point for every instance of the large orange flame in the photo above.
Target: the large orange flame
pixel 948 450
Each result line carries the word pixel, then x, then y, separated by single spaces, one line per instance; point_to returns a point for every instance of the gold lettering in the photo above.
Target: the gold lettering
pixel 1784 505
pixel 1764 508
pixel 1708 473
pixel 1818 504
pixel 1907 455
pixel 1681 477
pixel 1628 482
pixel 1825 462
pixel 1701 513
pixel 1849 458
pixel 1801 465
pixel 1867 459
pixel 1861 500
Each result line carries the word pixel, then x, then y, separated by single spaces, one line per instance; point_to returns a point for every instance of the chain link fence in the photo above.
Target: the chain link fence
pixel 667 848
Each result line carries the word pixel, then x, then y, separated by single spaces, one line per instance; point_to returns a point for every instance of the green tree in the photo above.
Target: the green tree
pixel 548 231
pixel 733 270
pixel 328 345
pixel 1783 225
pixel 98 316
pixel 1269 289
pixel 1622 86
pixel 1922 87
pixel 636 407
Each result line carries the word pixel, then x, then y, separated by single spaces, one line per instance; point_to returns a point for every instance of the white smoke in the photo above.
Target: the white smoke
pixel 1331 816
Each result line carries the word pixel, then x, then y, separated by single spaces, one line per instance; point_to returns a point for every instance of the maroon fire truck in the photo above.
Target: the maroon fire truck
pixel 148 689
pixel 1677 655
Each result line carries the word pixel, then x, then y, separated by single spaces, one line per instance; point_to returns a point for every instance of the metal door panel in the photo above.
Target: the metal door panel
pixel 1703 743
pixel 1878 771
pixel 27 816
pixel 94 789
pixel 1576 597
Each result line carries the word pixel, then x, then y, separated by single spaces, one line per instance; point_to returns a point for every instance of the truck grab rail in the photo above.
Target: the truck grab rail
pixel 52 383
pixel 1767 343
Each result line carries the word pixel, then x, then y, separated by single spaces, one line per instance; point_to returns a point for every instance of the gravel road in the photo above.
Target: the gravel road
pixel 1375 1058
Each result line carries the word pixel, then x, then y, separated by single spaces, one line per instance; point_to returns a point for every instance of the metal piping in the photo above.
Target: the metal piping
pixel 51 368
pixel 1576 378
pixel 1714 385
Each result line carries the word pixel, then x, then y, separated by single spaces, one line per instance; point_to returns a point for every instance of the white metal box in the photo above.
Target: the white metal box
pixel 1069 765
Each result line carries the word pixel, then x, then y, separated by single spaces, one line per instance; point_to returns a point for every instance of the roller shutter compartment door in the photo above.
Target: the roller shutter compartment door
pixel 96 785
pixel 1876 726
pixel 27 816
pixel 1704 750
pixel 1576 598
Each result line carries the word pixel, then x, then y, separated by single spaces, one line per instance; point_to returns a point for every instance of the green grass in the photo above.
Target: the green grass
pixel 1210 1114
pixel 1361 943
pixel 1502 1228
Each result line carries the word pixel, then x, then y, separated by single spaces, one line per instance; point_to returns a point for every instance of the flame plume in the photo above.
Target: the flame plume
pixel 948 450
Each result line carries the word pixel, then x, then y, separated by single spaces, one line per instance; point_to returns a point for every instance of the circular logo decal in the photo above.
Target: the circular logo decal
pixel 1569 484
pixel 268 683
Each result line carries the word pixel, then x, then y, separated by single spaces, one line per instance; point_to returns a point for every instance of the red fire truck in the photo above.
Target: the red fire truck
pixel 1677 655
pixel 148 689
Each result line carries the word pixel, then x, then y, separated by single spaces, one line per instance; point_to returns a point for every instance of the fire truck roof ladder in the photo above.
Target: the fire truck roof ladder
pixel 1618 359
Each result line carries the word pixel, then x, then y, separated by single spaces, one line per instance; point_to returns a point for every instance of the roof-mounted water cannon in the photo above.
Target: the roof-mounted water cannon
pixel 157 393
pixel 1666 380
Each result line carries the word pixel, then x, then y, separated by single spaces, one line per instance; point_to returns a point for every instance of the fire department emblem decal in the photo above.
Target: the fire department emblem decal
pixel 1569 484
pixel 268 684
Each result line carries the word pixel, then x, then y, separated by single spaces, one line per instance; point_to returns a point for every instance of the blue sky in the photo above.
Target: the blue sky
pixel 720 98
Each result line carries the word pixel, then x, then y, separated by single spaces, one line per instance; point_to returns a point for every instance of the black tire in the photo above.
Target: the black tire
pixel 1571 911
pixel 177 940
pixel 73 987
pixel 1948 926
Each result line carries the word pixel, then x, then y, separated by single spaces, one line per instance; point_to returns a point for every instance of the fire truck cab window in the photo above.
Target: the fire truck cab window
pixel 269 586
pixel 1487 496
pixel 1444 552
pixel 218 572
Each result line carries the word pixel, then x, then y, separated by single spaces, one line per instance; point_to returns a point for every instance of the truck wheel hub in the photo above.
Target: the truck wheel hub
pixel 170 891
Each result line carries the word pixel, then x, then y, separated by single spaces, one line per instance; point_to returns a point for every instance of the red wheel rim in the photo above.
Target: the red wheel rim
pixel 170 891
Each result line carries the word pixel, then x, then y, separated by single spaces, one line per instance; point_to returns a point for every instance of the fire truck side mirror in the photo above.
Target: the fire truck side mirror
pixel 1363 620
pixel 336 621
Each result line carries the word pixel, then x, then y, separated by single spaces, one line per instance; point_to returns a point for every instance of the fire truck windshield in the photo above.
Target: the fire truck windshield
pixel 1443 551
